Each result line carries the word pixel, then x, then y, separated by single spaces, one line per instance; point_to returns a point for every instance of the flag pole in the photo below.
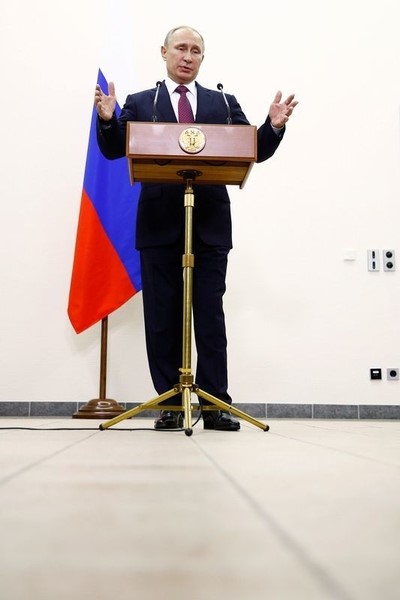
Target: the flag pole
pixel 101 407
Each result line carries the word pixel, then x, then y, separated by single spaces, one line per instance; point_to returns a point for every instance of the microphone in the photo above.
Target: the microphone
pixel 221 89
pixel 154 118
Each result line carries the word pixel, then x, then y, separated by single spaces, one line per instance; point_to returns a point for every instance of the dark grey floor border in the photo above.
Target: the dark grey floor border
pixel 258 411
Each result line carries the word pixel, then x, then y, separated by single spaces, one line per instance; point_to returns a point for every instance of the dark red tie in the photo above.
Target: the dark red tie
pixel 185 113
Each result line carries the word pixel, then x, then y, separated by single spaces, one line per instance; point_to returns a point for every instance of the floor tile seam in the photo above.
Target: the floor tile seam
pixel 360 424
pixel 340 451
pixel 308 562
pixel 362 433
pixel 29 467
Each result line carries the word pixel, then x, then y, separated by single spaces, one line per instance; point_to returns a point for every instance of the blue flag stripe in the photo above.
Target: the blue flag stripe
pixel 107 184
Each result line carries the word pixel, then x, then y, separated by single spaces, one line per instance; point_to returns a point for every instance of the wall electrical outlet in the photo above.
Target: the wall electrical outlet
pixel 388 259
pixel 392 374
pixel 373 260
pixel 375 373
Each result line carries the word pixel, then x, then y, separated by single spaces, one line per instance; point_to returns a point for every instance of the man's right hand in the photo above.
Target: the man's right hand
pixel 105 105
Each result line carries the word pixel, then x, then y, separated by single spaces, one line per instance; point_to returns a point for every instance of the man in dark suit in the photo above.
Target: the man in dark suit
pixel 160 225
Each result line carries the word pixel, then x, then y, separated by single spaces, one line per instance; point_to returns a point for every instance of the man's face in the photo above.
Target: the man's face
pixel 183 55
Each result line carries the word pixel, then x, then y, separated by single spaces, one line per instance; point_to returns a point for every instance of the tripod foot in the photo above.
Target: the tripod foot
pixel 266 428
pixel 188 431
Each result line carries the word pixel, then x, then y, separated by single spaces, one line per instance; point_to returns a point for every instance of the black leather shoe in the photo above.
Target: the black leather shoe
pixel 169 420
pixel 220 420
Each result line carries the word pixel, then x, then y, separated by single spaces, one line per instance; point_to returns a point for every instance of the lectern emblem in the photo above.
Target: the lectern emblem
pixel 192 140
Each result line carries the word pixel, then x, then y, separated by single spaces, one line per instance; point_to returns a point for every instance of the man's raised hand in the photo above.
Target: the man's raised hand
pixel 105 104
pixel 279 112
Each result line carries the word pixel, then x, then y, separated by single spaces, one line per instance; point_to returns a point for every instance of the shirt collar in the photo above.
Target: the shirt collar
pixel 172 85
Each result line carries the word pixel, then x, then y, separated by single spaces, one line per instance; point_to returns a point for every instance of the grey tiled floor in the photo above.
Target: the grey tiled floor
pixel 309 510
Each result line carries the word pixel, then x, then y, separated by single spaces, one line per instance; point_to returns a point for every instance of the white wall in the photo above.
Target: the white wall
pixel 304 325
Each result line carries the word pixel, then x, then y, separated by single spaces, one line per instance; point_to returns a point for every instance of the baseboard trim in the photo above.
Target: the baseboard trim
pixel 258 411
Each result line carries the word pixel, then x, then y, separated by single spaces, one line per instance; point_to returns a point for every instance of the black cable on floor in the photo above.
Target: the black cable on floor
pixel 98 428
pixel 72 429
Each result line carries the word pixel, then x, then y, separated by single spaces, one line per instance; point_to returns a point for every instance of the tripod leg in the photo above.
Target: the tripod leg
pixel 134 411
pixel 188 410
pixel 227 407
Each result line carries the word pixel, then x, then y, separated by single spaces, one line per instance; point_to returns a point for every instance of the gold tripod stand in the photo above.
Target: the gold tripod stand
pixel 186 385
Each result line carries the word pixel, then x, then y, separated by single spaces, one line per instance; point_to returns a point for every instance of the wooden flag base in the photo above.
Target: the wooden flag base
pixel 99 409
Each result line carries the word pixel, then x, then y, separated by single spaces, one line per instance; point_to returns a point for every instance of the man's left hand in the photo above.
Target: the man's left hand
pixel 279 112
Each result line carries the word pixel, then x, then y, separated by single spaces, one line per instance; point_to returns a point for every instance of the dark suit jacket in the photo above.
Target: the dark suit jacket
pixel 160 219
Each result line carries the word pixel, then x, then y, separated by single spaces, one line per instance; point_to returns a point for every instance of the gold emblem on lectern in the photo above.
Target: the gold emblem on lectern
pixel 192 140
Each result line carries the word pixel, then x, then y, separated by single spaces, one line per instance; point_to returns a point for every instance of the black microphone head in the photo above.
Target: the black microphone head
pixel 220 86
pixel 158 85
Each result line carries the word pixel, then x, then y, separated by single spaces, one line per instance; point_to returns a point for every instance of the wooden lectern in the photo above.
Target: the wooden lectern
pixel 223 153
pixel 176 153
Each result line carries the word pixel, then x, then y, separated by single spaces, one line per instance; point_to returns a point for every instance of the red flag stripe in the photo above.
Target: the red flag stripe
pixel 99 261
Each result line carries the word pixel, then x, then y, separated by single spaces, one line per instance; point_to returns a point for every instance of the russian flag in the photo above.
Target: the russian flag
pixel 106 265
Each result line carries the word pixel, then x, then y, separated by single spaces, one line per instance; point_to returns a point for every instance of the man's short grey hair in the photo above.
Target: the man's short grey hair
pixel 172 31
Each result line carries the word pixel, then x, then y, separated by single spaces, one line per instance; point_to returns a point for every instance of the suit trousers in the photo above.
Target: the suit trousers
pixel 162 289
